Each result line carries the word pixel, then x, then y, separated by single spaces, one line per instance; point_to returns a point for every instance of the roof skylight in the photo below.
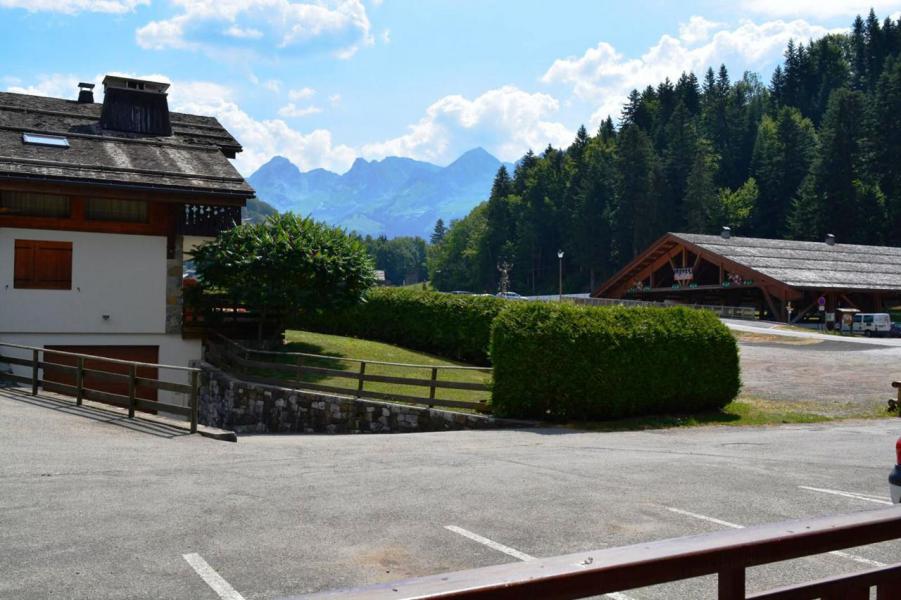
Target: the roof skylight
pixel 41 139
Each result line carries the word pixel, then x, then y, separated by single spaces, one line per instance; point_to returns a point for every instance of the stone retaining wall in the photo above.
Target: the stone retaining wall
pixel 245 407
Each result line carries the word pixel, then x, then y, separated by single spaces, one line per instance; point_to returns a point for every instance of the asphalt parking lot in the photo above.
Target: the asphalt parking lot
pixel 94 507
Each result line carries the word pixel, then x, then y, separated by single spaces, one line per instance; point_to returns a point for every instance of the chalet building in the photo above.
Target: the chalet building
pixel 770 275
pixel 98 203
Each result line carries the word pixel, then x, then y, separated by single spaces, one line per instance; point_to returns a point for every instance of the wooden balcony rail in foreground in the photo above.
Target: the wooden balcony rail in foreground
pixel 726 554
pixel 124 383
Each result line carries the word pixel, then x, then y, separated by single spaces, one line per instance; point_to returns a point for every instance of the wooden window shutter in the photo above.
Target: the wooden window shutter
pixel 43 265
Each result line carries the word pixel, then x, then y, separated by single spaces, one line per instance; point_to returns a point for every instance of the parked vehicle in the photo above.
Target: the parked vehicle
pixel 894 478
pixel 510 296
pixel 896 330
pixel 872 324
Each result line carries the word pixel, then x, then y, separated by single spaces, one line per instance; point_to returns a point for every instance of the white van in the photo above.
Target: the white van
pixel 872 324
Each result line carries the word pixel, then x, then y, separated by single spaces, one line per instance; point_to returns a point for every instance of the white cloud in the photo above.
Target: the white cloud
pixel 240 33
pixel 507 121
pixel 74 6
pixel 273 85
pixel 56 85
pixel 334 99
pixel 604 76
pixel 292 110
pixel 301 94
pixel 386 36
pixel 697 29
pixel 819 8
pixel 340 25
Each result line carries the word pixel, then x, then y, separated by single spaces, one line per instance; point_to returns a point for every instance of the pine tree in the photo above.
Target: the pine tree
pixel 886 143
pixel 438 232
pixel 637 201
pixel 700 199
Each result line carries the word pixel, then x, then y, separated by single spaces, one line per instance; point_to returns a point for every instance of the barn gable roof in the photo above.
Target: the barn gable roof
pixel 809 264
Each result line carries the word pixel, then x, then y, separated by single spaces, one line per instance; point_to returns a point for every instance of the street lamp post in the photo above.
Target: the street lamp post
pixel 560 256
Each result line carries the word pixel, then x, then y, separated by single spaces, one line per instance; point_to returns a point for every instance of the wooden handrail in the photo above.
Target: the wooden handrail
pixel 290 374
pixel 131 401
pixel 356 360
pixel 724 553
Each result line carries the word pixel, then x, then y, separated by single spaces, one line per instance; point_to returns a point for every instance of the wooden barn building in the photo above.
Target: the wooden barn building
pixel 772 276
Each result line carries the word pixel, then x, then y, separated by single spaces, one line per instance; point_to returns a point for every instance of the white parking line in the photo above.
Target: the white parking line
pixel 490 543
pixel 512 552
pixel 212 578
pixel 848 555
pixel 864 497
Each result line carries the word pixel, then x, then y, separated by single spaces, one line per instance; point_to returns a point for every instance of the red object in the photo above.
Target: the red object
pixel 898 452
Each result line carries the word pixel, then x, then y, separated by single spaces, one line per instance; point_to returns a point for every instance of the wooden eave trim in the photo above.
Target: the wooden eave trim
pixel 125 192
pixel 614 280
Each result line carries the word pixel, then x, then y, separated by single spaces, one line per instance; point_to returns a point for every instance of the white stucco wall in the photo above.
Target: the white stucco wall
pixel 123 276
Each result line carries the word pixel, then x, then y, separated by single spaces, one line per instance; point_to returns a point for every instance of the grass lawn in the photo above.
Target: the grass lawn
pixel 348 347
pixel 745 410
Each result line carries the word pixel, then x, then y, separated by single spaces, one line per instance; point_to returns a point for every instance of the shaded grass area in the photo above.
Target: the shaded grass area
pixel 343 348
pixel 744 411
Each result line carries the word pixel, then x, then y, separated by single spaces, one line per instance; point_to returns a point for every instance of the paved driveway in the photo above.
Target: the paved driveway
pixel 91 507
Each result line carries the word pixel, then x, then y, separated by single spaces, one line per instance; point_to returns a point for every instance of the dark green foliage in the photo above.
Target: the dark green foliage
pixel 284 266
pixel 562 362
pixel 455 326
pixel 817 152
pixel 403 259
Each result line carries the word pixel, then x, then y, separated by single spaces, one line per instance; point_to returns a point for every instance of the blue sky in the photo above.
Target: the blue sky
pixel 325 81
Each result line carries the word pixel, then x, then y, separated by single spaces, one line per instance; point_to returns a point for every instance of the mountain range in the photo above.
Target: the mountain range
pixel 394 196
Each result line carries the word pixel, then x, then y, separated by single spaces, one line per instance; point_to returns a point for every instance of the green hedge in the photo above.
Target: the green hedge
pixel 455 326
pixel 559 362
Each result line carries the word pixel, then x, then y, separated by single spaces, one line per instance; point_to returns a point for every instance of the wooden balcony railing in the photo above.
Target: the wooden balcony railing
pixel 726 554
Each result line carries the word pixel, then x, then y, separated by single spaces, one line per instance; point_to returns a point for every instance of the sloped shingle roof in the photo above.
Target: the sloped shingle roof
pixel 809 264
pixel 192 159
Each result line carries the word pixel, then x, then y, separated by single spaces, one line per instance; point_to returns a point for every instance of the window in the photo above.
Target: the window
pixel 111 209
pixel 32 204
pixel 40 139
pixel 42 265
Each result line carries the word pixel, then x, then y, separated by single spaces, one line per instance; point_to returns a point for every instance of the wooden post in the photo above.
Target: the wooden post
pixel 433 385
pixel 360 379
pixel 131 390
pixel 79 380
pixel 731 584
pixel 34 372
pixel 195 401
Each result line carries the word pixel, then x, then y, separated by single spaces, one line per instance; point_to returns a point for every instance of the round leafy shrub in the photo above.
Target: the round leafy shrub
pixel 558 361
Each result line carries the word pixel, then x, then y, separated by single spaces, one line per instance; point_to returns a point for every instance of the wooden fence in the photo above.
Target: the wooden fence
pixel 726 554
pixel 38 363
pixel 287 369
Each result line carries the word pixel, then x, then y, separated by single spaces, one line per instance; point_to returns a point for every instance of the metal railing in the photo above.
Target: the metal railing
pixel 287 369
pixel 726 554
pixel 37 361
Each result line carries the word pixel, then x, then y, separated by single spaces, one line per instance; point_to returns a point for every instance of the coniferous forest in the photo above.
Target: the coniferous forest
pixel 816 150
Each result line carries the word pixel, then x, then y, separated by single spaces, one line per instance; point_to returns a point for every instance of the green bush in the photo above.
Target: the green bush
pixel 559 362
pixel 455 326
